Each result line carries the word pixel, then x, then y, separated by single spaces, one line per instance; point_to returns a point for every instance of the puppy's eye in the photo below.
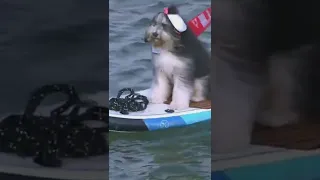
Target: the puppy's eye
pixel 164 25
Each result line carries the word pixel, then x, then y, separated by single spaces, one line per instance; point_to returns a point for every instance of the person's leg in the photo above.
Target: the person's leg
pixel 240 33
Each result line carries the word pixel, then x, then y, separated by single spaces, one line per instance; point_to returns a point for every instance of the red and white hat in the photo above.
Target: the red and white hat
pixel 175 19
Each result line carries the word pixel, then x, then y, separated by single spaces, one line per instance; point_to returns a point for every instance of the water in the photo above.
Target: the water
pixel 52 42
pixel 182 153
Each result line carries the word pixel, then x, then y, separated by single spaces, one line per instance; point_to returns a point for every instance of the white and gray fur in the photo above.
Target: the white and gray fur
pixel 181 67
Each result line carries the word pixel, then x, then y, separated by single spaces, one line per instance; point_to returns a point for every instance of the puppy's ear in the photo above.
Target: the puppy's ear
pixel 173 9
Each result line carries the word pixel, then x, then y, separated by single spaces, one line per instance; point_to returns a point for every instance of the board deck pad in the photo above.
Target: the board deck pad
pixel 206 104
pixel 300 136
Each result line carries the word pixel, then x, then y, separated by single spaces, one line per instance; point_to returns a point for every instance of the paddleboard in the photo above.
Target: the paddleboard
pixel 154 117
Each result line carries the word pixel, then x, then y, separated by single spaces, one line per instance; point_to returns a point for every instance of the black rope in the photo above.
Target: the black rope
pixel 133 102
pixel 48 139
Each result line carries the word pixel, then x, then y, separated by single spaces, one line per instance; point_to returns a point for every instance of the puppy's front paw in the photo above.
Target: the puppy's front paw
pixel 157 98
pixel 179 105
pixel 272 119
pixel 197 98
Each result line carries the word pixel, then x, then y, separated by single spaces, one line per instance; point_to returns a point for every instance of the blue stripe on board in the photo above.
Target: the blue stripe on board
pixel 305 168
pixel 164 123
pixel 219 175
pixel 176 121
pixel 196 117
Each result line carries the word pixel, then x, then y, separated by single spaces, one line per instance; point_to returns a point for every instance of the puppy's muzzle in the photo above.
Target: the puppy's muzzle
pixel 154 35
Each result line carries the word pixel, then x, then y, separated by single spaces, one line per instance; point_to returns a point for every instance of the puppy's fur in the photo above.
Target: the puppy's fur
pixel 181 65
pixel 280 105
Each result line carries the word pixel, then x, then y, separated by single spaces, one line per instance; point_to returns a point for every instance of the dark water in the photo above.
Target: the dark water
pixel 44 42
pixel 182 153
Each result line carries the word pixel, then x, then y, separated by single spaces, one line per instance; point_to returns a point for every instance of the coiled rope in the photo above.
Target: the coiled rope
pixel 48 139
pixel 133 102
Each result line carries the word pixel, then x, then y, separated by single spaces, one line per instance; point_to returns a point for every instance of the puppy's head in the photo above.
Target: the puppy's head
pixel 161 33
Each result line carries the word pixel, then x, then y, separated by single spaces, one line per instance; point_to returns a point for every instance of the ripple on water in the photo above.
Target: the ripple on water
pixel 133 47
pixel 141 22
pixel 158 155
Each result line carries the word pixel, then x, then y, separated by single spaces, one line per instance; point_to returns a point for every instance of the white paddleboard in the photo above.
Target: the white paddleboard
pixel 154 117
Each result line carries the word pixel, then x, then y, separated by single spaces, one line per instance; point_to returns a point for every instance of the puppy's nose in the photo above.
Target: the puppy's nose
pixel 155 34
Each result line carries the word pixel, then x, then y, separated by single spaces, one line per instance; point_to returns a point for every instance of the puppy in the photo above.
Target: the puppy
pixel 181 63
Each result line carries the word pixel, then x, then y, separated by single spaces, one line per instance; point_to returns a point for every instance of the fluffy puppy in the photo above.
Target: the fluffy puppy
pixel 181 63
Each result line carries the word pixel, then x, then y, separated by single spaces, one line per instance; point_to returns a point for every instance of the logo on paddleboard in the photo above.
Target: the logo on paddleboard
pixel 164 124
